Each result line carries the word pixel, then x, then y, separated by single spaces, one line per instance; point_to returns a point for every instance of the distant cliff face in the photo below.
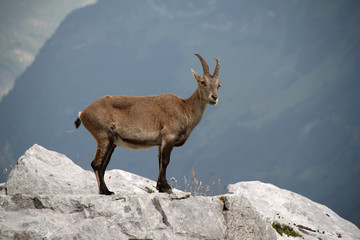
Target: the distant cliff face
pixel 48 196
pixel 288 105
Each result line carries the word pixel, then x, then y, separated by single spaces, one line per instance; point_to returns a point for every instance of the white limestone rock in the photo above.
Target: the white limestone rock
pixel 310 219
pixel 47 196
pixel 40 171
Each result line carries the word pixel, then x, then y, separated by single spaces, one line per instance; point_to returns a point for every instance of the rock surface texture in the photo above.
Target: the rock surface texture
pixel 47 196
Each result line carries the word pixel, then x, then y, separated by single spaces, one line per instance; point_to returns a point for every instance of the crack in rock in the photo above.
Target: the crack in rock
pixel 179 196
pixel 38 204
pixel 158 207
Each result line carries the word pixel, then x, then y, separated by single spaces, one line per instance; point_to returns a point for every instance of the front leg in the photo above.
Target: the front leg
pixel 164 159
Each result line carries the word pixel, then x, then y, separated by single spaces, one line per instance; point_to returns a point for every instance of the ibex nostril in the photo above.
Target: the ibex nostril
pixel 214 97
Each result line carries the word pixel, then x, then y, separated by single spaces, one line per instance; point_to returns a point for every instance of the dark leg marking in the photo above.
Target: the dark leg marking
pixel 164 159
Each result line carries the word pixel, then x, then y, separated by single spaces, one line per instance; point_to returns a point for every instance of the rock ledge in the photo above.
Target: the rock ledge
pixel 47 196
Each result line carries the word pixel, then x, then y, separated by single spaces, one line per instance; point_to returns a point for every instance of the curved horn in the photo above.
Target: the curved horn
pixel 204 64
pixel 216 72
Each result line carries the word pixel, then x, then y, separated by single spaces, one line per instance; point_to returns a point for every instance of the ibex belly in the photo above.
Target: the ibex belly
pixel 128 145
pixel 138 139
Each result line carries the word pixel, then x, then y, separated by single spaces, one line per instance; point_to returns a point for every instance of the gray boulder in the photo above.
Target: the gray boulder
pixel 47 196
pixel 310 219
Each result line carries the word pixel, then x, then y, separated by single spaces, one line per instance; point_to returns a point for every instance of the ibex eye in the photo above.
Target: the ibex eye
pixel 203 83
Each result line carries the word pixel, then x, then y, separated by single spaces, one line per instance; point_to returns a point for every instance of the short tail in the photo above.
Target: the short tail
pixel 77 124
pixel 78 121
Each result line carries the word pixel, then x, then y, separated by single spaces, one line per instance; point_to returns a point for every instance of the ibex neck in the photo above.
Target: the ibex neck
pixel 195 107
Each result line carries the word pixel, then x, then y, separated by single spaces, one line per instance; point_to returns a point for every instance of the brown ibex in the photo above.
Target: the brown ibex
pixel 134 122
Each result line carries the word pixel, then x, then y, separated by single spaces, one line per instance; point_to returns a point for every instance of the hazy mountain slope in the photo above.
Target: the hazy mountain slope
pixel 25 26
pixel 288 111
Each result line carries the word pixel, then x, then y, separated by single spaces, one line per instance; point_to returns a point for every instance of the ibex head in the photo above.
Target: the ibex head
pixel 208 84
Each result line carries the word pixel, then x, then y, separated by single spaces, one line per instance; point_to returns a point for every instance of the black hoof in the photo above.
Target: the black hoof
pixel 165 188
pixel 107 193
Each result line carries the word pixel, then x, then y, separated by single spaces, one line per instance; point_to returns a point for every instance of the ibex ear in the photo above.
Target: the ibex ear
pixel 196 76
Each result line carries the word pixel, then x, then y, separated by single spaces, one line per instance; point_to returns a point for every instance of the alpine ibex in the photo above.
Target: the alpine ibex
pixel 134 122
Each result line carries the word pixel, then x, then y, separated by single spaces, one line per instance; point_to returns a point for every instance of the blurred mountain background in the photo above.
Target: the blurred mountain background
pixel 289 109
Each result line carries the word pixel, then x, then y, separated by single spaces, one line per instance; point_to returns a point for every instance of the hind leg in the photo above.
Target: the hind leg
pixel 103 168
pixel 100 162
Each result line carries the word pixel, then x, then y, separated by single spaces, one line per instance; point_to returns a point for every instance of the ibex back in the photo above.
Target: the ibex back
pixel 165 121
